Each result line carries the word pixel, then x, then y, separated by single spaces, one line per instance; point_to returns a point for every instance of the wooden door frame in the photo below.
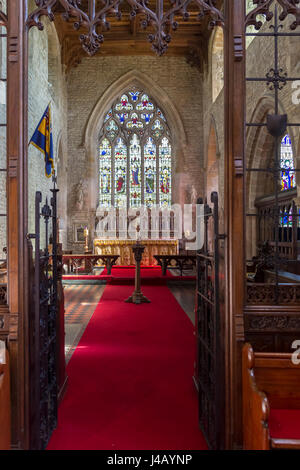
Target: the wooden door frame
pixel 17 106
pixel 17 218
pixel 234 144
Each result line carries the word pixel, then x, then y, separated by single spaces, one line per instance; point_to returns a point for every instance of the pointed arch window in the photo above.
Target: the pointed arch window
pixel 135 154
pixel 288 177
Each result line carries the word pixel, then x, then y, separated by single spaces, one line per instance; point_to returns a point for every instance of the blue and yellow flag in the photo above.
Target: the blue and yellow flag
pixel 42 140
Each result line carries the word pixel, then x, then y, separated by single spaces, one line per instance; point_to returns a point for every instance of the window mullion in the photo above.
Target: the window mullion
pixel 128 174
pixel 157 170
pixel 113 188
pixel 142 171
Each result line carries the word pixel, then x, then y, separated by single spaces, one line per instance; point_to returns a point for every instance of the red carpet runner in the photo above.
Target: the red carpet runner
pixel 130 378
pixel 127 273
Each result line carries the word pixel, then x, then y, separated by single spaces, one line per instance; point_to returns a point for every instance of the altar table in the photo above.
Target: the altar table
pixel 126 257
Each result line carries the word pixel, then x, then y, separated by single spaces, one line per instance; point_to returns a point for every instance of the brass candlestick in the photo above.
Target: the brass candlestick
pixel 138 297
pixel 86 235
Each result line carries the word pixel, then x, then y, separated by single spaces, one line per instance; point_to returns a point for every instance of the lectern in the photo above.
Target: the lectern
pixel 138 297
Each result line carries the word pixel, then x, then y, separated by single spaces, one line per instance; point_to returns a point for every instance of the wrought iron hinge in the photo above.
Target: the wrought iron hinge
pixel 238 165
pixel 30 236
pixel 222 236
pixel 238 48
pixel 13 49
pixel 12 166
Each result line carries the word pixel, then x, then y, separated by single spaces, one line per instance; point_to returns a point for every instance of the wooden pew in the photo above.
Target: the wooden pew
pixel 5 425
pixel 271 401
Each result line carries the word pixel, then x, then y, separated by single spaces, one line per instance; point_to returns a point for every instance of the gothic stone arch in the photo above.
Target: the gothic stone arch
pixel 259 152
pixel 95 123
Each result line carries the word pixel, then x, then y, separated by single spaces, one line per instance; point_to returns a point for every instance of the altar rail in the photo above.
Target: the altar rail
pixel 87 262
pixel 181 262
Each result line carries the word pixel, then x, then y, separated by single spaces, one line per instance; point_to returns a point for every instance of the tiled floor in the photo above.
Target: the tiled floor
pixel 185 296
pixel 80 303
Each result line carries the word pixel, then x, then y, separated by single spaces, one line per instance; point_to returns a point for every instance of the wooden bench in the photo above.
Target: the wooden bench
pixel 5 425
pixel 271 401
pixel 180 262
pixel 88 262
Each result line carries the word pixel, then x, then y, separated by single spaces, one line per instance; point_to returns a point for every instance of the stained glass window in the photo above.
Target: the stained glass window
pixel 105 173
pixel 165 173
pixel 135 154
pixel 135 172
pixel 150 172
pixel 120 173
pixel 288 178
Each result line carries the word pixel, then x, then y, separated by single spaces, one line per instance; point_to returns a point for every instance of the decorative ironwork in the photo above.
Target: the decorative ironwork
pixel 282 240
pixel 209 366
pixel 289 7
pixel 44 321
pixel 161 20
pixel 275 79
pixel 3 19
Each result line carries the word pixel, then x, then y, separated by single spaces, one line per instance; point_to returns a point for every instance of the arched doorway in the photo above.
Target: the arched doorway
pixel 18 179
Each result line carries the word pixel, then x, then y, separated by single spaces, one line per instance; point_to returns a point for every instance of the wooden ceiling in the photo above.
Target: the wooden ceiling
pixel 126 36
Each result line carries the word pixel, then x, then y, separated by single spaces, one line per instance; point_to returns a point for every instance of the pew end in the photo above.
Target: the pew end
pixel 270 396
pixel 256 408
pixel 5 411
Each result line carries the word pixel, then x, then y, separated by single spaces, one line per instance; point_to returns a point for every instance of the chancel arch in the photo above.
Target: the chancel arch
pixel 139 81
pixel 260 149
pixel 135 154
pixel 217 64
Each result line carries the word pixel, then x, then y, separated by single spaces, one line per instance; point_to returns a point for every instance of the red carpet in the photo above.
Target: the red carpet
pixel 130 378
pixel 127 273
pixel 284 424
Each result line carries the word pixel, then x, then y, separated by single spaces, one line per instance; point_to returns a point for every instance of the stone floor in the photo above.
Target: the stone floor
pixel 185 296
pixel 80 303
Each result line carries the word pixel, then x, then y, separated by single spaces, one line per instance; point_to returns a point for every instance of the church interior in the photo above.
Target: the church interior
pixel 149 225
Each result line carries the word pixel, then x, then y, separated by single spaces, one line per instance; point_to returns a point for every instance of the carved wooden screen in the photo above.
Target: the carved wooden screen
pixel 272 317
pixel 3 154
pixel 91 18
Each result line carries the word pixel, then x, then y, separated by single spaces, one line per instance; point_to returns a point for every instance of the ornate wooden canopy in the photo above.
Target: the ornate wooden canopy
pixel 125 27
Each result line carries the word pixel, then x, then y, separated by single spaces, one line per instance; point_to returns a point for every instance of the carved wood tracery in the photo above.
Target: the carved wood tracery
pixel 289 7
pixel 160 19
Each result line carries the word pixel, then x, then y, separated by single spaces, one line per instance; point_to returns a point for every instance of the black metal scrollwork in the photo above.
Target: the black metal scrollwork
pixel 44 322
pixel 263 7
pixel 161 19
pixel 209 361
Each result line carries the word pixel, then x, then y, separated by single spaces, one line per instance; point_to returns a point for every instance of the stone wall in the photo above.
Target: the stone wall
pixel 89 81
pixel 46 84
